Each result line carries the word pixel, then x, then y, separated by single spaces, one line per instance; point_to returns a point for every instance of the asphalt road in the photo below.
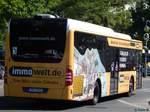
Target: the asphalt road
pixel 136 103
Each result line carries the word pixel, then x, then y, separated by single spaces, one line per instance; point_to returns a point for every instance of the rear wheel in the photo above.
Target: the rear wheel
pixel 96 94
pixel 131 87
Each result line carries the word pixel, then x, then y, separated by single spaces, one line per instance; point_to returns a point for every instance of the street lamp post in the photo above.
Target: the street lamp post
pixel 146 39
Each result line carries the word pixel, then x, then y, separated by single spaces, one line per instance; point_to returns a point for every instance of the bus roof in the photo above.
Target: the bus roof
pixel 95 29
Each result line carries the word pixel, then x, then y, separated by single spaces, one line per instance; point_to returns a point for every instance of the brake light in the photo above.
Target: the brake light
pixel 69 77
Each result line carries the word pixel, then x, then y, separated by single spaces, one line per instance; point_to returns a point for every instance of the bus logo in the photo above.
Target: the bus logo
pixel 21 71
pixel 38 72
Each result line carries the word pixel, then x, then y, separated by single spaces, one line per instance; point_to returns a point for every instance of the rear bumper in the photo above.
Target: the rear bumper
pixel 46 93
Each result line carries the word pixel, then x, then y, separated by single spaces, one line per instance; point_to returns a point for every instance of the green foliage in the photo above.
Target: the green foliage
pixel 140 14
pixel 109 13
pixel 86 10
pixel 120 21
pixel 25 8
pixel 94 11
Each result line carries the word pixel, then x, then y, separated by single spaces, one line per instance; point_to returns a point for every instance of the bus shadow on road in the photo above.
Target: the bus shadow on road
pixel 8 103
pixel 113 97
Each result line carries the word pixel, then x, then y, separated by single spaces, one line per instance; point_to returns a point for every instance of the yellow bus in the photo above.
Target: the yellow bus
pixel 66 59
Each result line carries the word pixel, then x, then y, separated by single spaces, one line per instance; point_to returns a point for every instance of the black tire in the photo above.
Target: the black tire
pixel 96 94
pixel 131 88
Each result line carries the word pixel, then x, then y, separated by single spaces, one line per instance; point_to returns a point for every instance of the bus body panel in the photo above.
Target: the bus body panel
pixel 108 83
pixel 124 81
pixel 78 85
pixel 38 80
pixel 48 81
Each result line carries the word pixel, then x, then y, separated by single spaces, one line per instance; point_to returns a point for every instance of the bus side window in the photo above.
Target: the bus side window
pixel 101 43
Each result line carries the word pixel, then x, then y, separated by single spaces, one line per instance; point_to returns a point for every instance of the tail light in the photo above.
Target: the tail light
pixel 69 77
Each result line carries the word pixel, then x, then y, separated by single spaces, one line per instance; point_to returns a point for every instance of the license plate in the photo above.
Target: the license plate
pixel 35 90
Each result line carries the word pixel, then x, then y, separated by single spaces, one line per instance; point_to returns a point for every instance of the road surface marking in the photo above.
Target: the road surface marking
pixel 131 104
pixel 145 90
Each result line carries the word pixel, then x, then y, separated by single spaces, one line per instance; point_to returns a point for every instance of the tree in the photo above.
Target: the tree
pixel 120 20
pixel 86 10
pixel 109 13
pixel 140 14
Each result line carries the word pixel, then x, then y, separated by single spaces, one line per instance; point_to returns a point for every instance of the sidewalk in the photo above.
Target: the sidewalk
pixel 146 88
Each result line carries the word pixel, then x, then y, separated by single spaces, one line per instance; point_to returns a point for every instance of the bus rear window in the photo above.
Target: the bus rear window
pixel 38 40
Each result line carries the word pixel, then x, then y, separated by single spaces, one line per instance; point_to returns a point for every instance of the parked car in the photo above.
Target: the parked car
pixel 2 71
